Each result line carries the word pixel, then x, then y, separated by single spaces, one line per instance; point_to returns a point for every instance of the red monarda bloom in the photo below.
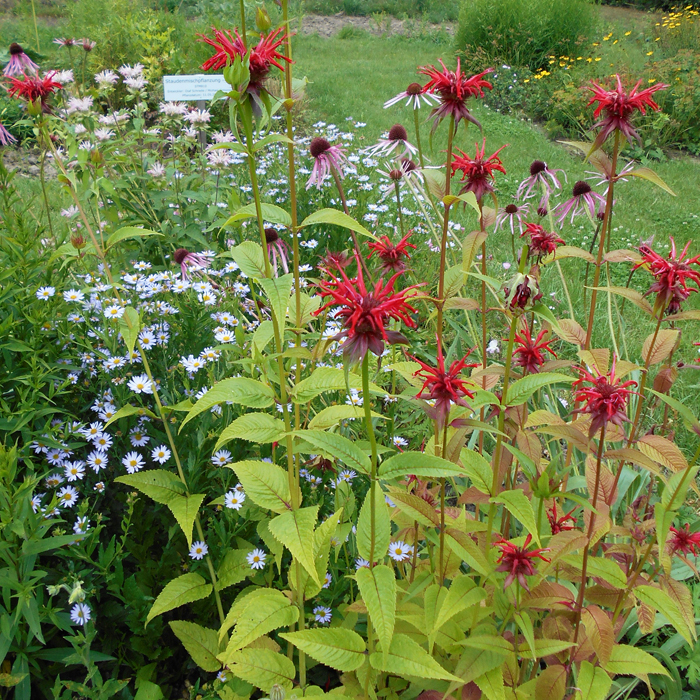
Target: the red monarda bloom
pixel 477 172
pixel 445 387
pixel 517 561
pixel 365 313
pixel 32 88
pixel 454 88
pixel 262 56
pixel 542 242
pixel 684 541
pixel 393 257
pixel 334 261
pixel 619 106
pixel 530 353
pixel 672 274
pixel 565 522
pixel 604 396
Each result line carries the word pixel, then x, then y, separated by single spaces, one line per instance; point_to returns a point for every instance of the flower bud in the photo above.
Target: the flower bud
pixel 34 107
pixel 78 241
pixel 262 19
pixel 522 292
pixel 277 692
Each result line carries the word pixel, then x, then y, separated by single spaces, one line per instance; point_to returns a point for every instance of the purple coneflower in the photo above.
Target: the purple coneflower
pixel 65 43
pixel 540 177
pixel 327 158
pixel 87 44
pixel 414 95
pixel 19 62
pixel 6 138
pixel 185 259
pixel 513 214
pixel 398 138
pixel 604 177
pixel 583 199
pixel 276 248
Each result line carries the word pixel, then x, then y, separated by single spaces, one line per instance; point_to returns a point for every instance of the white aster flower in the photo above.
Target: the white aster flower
pixel 256 559
pixel 133 462
pixel 161 454
pixel 80 614
pixel 198 550
pixel 234 499
pixel 141 384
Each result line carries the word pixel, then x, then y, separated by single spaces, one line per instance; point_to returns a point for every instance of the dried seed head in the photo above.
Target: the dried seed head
pixel 398 133
pixel 537 167
pixel 318 146
pixel 271 235
pixel 180 254
pixel 581 188
pixel 414 89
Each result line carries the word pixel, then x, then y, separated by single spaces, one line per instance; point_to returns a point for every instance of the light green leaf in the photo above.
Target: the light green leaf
pixel 378 590
pixel 263 334
pixel 160 485
pixel 404 657
pixel 592 682
pixel 478 469
pixel 631 294
pixel 185 509
pixel 338 648
pixel 241 390
pixel 468 198
pixel 250 260
pixel 270 138
pixel 201 643
pixel 688 416
pixel 254 427
pixel 336 218
pixel 420 464
pixel 662 601
pixel 266 484
pixel 184 589
pixel 130 410
pixel 520 507
pixel 467 550
pixel 251 597
pixel 631 661
pixel 129 327
pixel 488 642
pixel 129 232
pixel 295 530
pixel 382 526
pixel 270 212
pixel 519 392
pixel 233 569
pixel 324 379
pixel 568 251
pixel 332 415
pixel 455 278
pixel 676 489
pixel 524 623
pixel 651 176
pixel 262 668
pixel 546 647
pixel 491 684
pixel 337 447
pixel 470 247
pixel 606 569
pixel 278 290
pixel 461 595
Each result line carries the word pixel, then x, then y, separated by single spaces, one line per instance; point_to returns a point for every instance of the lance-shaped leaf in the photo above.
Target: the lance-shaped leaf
pixel 662 601
pixel 262 668
pixel 184 589
pixel 520 507
pixel 336 218
pixel 270 212
pixel 599 630
pixel 266 484
pixel 470 247
pixel 249 258
pixel 382 526
pixel 278 291
pixel 478 469
pixel 251 597
pixel 378 590
pixel 332 415
pixel 651 176
pixel 160 485
pixel 201 643
pixel 337 447
pixel 631 661
pixel 128 232
pixel 295 530
pixel 664 342
pixel 551 683
pixel 404 657
pixel 324 379
pixel 632 294
pixel 254 427
pixel 519 392
pixel 568 251
pixel 491 684
pixel 185 509
pixel 461 595
pixel 419 464
pixel 130 410
pixel 129 327
pixel 468 551
pixel 592 682
pixel 338 648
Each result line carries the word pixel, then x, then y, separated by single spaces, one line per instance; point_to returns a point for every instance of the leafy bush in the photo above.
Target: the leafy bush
pixel 524 32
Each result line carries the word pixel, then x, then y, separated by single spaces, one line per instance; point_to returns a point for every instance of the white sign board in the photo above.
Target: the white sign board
pixel 193 87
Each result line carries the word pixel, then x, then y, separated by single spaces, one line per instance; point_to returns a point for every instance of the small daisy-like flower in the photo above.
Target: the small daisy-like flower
pixel 400 551
pixel 141 384
pixel 361 563
pixel 100 486
pixel 74 471
pixel 53 480
pixel 322 614
pixel 45 293
pixel 328 580
pixel 198 550
pixel 73 295
pixel 399 441
pixel 113 311
pixel 234 499
pixel 133 462
pixel 97 460
pixel 161 454
pixel 221 458
pixel 67 496
pixel 102 441
pixel 139 438
pixel 81 525
pixel 256 559
pixel 80 614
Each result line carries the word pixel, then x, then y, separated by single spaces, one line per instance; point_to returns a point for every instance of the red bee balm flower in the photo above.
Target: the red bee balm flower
pixel 541 242
pixel 393 257
pixel 529 353
pixel 32 88
pixel 619 106
pixel 443 387
pixel 262 56
pixel 454 88
pixel 477 172
pixel 605 398
pixel 673 274
pixel 365 312
pixel 517 561
pixel 566 522
pixel 684 541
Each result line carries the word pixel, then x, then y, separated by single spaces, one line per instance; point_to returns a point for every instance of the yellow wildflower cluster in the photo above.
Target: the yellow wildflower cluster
pixel 677 18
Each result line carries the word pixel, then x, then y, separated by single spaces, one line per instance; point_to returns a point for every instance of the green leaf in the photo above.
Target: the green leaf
pixel 420 464
pixel 378 590
pixel 130 410
pixel 525 625
pixel 184 589
pixel 404 657
pixel 631 294
pixel 519 392
pixel 676 489
pixel 520 507
pixel 455 278
pixel 263 334
pixel 324 379
pixel 201 643
pixel 662 601
pixel 254 427
pixel 461 595
pixel 631 661
pixel 262 668
pixel 129 232
pixel 468 198
pixel 251 597
pixel 546 647
pixel 337 447
pixel 332 415
pixel 470 247
pixel 270 212
pixel 491 684
pixel 266 484
pixel 478 469
pixel 568 251
pixel 147 691
pixel 688 416
pixel 129 327
pixel 185 509
pixel 336 218
pixel 592 682
pixel 606 569
pixel 160 485
pixel 278 290
pixel 651 176
pixel 466 549
pixel 30 547
pixel 233 569
pixel 338 648
pixel 295 530
pixel 382 526
pixel 488 642
pixel 250 260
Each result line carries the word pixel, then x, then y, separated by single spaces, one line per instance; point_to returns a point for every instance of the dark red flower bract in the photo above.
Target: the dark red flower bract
pixel 478 172
pixel 542 242
pixel 684 541
pixel 32 88
pixel 393 257
pixel 529 353
pixel 517 561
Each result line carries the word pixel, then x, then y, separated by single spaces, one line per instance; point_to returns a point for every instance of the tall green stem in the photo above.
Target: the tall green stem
pixel 373 446
pixel 36 28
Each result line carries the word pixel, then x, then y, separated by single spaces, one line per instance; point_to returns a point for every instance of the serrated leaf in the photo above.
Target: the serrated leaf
pixel 270 212
pixel 630 661
pixel 478 469
pixel 233 569
pixel 336 218
pixel 519 392
pixel 404 657
pixel 520 507
pixel 606 569
pixel 378 590
pixel 382 526
pixel 337 447
pixel 455 278
pixel 651 176
pixel 263 334
pixel 546 647
pixel 675 491
pixel 160 485
pixel 262 668
pixel 278 291
pixel 491 684
pixel 129 327
pixel 295 530
pixel 663 451
pixel 201 643
pixel 599 630
pixel 661 601
pixel 419 464
pixel 568 251
pixel 571 331
pixel 332 415
pixel 461 595
pixel 130 410
pixel 664 343
pixel 266 484
pixel 551 683
pixel 324 379
pixel 338 648
pixel 634 296
pixel 184 589
pixel 470 247
pixel 253 427
pixel 249 258
pixel 128 232
pixel 688 416
pixel 247 597
pixel 185 509
pixel 592 683
pixel 466 549
pixel 416 508
pixel 240 390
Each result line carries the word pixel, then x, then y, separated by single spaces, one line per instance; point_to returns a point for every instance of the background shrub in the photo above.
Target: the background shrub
pixel 524 32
